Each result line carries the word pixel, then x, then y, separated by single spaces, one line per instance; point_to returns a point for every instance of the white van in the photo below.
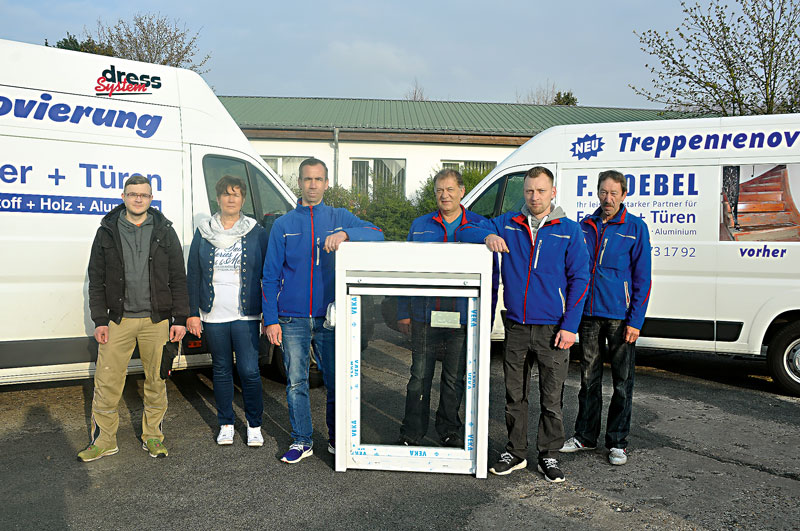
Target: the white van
pixel 73 127
pixel 718 195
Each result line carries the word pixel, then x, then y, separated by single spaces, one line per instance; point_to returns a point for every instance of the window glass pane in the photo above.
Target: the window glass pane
pixel 479 165
pixel 272 162
pixel 438 331
pixel 391 172
pixel 290 169
pixel 360 176
pixel 487 200
pixel 513 199
pixel 214 169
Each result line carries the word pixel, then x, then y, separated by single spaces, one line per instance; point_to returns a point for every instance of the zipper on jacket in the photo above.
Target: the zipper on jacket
pixel 536 262
pixel 311 294
pixel 528 281
pixel 563 302
pixel 627 295
pixel 603 251
pixel 594 266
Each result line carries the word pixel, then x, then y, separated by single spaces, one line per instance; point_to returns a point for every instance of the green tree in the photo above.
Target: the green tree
pixel 547 94
pixel 565 98
pixel 88 45
pixel 720 60
pixel 340 197
pixel 390 210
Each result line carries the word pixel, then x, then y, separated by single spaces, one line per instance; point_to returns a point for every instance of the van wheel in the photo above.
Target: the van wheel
pixel 783 358
pixel 279 369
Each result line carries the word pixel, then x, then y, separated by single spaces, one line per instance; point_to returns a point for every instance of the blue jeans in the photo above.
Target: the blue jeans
pixel 592 331
pixel 300 335
pixel 241 337
pixel 425 340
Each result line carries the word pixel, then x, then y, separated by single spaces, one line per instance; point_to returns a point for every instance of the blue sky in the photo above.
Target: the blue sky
pixel 491 50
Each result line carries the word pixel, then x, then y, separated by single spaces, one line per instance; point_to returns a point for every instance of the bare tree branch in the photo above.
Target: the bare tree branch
pixel 727 61
pixel 415 93
pixel 153 38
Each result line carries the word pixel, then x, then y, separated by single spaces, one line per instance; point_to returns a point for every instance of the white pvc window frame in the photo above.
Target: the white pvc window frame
pixel 412 269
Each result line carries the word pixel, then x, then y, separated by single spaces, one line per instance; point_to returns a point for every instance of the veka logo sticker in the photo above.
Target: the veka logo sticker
pixel 587 147
pixel 113 81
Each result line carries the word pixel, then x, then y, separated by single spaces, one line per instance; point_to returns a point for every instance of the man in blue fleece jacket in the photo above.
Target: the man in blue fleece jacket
pixel 545 279
pixel 298 286
pixel 417 317
pixel 619 251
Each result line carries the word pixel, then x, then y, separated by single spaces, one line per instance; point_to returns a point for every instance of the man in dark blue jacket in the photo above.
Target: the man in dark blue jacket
pixel 298 286
pixel 545 279
pixel 425 318
pixel 619 250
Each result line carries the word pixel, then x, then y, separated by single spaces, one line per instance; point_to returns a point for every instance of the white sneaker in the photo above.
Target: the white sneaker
pixel 618 456
pixel 225 434
pixel 254 437
pixel 574 445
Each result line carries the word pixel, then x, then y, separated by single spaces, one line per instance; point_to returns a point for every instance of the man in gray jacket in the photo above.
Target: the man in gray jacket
pixel 137 294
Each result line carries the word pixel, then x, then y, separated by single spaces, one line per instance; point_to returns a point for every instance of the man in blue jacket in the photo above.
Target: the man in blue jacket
pixel 545 279
pixel 298 286
pixel 423 318
pixel 619 250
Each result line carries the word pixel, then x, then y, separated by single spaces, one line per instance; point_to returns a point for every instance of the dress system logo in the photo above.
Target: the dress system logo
pixel 113 81
pixel 587 147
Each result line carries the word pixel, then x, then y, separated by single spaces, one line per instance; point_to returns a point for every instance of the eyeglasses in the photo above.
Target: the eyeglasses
pixel 133 195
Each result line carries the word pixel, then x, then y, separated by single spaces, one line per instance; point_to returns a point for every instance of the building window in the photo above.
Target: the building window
pixel 288 168
pixel 368 172
pixel 483 166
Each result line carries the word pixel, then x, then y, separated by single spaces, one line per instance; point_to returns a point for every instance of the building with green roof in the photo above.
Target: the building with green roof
pixel 403 141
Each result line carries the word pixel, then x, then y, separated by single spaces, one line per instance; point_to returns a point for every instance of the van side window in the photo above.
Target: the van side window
pixel 214 169
pixel 485 204
pixel 513 197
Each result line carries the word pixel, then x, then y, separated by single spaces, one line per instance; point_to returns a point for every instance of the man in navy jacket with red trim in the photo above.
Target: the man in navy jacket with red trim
pixel 619 250
pixel 298 286
pixel 418 316
pixel 545 280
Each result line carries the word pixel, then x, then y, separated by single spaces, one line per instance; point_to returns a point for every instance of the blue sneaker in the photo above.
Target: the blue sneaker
pixel 332 446
pixel 297 452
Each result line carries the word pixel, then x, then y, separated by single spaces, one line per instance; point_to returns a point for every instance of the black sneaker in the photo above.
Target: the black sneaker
pixel 453 441
pixel 507 464
pixel 405 441
pixel 549 467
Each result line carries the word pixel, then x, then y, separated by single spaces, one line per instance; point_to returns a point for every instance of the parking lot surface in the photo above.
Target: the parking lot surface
pixel 713 445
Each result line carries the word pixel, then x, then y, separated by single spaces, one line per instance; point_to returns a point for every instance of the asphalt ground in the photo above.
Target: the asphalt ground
pixel 713 445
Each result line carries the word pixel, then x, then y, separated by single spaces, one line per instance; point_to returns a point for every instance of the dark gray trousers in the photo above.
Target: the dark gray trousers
pixel 525 344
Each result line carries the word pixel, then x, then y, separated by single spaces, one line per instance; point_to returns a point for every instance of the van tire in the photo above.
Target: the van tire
pixel 783 358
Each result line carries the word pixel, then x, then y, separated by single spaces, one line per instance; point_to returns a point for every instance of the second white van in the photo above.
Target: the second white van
pixel 718 196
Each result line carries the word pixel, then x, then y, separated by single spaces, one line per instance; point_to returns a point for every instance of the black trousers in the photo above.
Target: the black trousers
pixel 525 344
pixel 594 331
pixel 425 341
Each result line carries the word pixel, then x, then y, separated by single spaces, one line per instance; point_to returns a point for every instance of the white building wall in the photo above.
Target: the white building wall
pixel 422 160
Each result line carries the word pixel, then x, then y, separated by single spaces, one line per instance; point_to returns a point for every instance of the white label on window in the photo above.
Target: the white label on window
pixel 445 319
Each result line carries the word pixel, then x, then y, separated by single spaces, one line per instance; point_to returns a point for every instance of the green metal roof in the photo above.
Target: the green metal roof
pixel 420 116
